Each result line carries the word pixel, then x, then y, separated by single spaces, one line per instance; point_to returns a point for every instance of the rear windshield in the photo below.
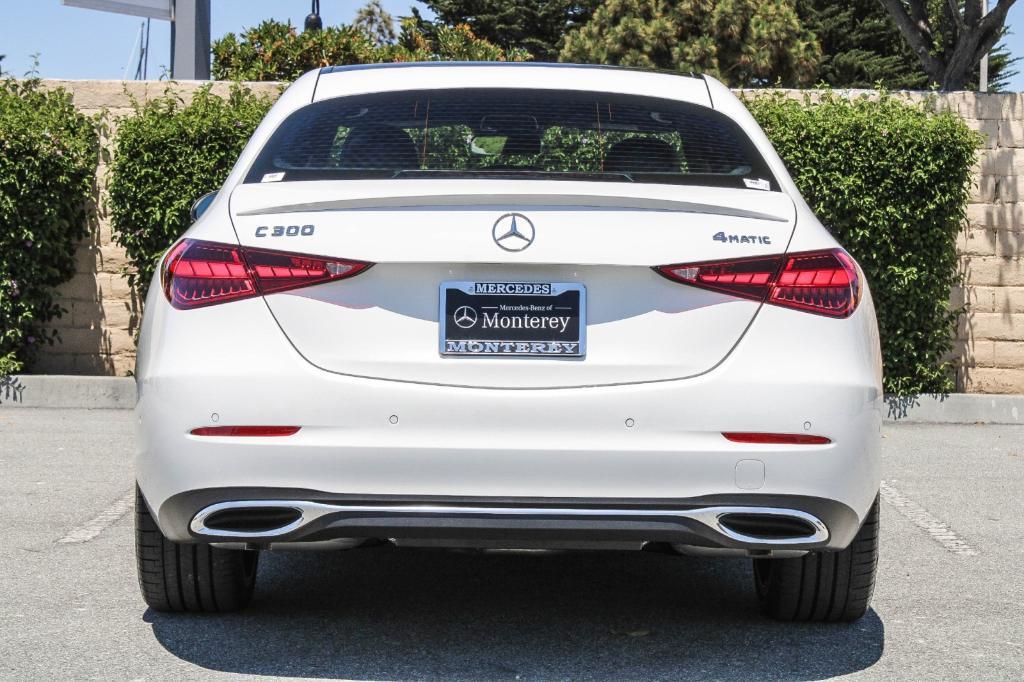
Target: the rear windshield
pixel 506 133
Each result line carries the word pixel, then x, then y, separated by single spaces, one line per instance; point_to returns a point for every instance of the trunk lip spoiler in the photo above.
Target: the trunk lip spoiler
pixel 502 202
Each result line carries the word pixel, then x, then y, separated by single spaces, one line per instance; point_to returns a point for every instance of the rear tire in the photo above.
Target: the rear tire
pixel 190 578
pixel 822 586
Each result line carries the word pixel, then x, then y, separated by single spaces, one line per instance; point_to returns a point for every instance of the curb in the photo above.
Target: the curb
pixel 955 408
pixel 56 391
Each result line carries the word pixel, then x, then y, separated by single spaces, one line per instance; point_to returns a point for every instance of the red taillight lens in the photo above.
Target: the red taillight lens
pixel 826 283
pixel 198 273
pixel 250 431
pixel 776 438
pixel 202 273
pixel 822 282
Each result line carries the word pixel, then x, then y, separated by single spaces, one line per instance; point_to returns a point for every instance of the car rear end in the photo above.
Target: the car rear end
pixel 520 306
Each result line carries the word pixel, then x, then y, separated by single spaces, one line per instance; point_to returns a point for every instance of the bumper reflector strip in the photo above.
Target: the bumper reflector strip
pixel 776 438
pixel 250 431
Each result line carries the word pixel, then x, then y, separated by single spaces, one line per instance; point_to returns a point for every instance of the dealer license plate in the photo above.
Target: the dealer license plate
pixel 524 319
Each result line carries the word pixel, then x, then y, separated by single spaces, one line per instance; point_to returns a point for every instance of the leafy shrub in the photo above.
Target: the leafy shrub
pixel 276 51
pixel 166 156
pixel 48 157
pixel 447 43
pixel 891 181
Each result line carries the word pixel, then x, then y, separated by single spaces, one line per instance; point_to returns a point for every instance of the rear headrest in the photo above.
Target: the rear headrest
pixel 641 155
pixel 378 146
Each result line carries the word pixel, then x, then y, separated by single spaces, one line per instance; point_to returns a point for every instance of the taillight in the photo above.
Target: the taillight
pixel 198 273
pixel 822 282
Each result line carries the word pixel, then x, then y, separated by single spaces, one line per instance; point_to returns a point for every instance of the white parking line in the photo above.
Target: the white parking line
pixel 926 521
pixel 96 525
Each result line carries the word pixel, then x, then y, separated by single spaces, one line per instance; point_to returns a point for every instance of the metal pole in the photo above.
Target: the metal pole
pixel 145 62
pixel 983 69
pixel 140 69
pixel 136 44
pixel 190 40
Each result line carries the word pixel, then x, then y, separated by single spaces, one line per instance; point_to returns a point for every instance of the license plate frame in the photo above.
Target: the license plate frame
pixel 487 298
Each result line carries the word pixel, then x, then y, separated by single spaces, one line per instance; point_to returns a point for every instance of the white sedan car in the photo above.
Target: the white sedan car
pixel 509 305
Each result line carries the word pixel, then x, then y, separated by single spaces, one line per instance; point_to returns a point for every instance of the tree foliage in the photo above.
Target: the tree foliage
pixel 536 26
pixel 745 42
pixel 862 48
pixel 48 157
pixel 949 37
pixel 376 22
pixel 447 43
pixel 276 51
pixel 166 155
pixel 742 42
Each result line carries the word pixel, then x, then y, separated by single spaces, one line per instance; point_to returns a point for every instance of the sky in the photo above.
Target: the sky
pixel 79 43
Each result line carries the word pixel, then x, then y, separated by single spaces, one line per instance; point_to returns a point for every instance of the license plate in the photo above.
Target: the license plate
pixel 517 319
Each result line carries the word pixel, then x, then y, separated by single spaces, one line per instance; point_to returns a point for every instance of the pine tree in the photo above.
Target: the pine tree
pixel 376 22
pixel 743 42
pixel 537 26
pixel 862 47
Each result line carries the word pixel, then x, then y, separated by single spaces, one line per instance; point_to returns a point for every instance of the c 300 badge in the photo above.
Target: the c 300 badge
pixel 285 230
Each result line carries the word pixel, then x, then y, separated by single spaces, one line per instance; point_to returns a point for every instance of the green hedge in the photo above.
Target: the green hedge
pixel 891 181
pixel 48 157
pixel 166 156
pixel 275 51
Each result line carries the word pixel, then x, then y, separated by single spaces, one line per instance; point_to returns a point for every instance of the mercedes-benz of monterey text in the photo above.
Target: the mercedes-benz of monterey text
pixel 498 305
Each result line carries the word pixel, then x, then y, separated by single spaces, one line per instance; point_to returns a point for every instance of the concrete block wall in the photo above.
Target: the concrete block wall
pixel 98 334
pixel 990 340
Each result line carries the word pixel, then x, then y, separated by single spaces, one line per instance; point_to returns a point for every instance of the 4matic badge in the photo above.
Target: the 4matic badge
pixel 742 238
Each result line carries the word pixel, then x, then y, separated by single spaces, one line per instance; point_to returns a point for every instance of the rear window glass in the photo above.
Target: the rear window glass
pixel 505 133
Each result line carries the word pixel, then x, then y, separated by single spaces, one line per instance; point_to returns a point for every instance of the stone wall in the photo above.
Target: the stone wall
pixel 991 338
pixel 98 334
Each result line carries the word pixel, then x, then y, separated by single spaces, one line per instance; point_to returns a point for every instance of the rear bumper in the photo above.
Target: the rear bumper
pixel 636 446
pixel 488 446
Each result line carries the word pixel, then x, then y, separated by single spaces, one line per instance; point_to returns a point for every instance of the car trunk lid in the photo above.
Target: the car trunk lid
pixel 602 238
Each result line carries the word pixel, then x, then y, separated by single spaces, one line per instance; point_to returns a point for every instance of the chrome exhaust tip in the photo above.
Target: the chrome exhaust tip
pixel 772 526
pixel 255 520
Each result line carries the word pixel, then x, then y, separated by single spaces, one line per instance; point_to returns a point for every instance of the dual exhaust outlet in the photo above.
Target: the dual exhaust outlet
pixel 266 520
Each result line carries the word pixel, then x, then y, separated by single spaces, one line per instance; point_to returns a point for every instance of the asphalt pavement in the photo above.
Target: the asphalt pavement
pixel 949 602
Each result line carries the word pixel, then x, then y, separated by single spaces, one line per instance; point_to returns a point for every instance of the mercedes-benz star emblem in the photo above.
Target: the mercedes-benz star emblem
pixel 513 232
pixel 464 316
